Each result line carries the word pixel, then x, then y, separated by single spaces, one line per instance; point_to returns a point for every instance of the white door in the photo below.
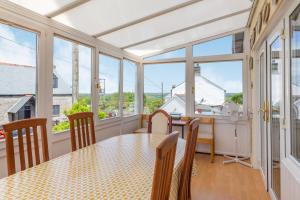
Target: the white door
pixel 275 109
pixel 262 56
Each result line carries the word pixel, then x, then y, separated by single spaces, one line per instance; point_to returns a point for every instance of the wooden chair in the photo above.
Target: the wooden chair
pixel 208 137
pixel 164 164
pixel 184 192
pixel 84 122
pixel 160 122
pixel 144 120
pixel 30 126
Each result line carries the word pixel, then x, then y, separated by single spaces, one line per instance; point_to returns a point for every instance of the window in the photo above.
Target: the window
pixel 129 87
pixel 217 83
pixel 180 53
pixel 164 87
pixel 55 109
pixel 295 83
pixel 18 71
pixel 231 44
pixel 72 75
pixel 109 77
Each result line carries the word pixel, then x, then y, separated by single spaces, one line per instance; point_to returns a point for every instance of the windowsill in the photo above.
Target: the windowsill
pixel 295 161
pixel 222 117
pixel 131 118
pixel 293 166
pixel 100 122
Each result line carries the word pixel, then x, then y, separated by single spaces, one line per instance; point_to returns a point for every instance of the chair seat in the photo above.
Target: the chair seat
pixel 141 130
pixel 205 135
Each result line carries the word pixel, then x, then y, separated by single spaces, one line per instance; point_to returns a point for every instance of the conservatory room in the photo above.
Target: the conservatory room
pixel 160 99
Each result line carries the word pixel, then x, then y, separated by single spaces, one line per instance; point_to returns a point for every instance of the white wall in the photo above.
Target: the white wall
pixel 224 138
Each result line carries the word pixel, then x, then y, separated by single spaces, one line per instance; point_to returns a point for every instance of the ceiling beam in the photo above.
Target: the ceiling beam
pixel 187 28
pixel 162 12
pixel 67 8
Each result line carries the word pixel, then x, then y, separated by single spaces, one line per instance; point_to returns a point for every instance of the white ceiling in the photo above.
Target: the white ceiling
pixel 142 26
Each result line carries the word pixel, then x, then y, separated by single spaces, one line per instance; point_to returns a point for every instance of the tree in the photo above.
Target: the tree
pixel 82 105
pixel 152 103
pixel 236 98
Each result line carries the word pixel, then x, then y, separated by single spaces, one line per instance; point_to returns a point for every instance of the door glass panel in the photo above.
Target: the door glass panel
pixel 295 84
pixel 275 99
pixel 262 121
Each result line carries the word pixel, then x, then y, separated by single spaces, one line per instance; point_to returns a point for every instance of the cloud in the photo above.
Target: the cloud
pixel 14 52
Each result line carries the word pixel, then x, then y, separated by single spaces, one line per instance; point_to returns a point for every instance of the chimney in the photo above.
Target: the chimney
pixel 173 87
pixel 197 70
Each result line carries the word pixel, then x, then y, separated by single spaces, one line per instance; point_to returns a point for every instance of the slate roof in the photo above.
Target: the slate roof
pixel 19 104
pixel 20 80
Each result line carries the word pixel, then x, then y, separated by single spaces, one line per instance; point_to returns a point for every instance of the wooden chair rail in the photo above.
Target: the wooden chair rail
pixel 165 114
pixel 210 141
pixel 184 192
pixel 83 123
pixel 27 125
pixel 164 164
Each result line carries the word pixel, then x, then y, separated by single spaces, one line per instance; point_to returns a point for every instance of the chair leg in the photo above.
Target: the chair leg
pixel 212 152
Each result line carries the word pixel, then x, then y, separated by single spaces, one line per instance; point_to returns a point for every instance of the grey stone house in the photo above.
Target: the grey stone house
pixel 18 90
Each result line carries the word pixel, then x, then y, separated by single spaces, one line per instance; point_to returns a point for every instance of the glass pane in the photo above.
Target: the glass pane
pixel 226 45
pixel 295 84
pixel 71 81
pixel 262 62
pixel 18 52
pixel 164 87
pixel 109 74
pixel 276 73
pixel 180 53
pixel 217 83
pixel 129 87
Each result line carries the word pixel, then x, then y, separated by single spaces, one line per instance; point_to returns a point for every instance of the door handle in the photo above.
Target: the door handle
pixel 265 111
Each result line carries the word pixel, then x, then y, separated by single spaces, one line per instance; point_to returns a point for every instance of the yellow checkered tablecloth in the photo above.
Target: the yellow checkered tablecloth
pixel 121 167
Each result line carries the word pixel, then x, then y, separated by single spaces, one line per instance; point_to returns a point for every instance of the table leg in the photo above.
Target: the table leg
pixel 182 131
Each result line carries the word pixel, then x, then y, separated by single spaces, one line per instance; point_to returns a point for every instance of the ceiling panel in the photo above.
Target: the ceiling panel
pixel 205 31
pixel 97 16
pixel 43 7
pixel 192 15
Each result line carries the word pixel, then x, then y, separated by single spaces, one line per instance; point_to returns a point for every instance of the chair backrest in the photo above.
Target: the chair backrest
pixel 17 129
pixel 187 165
pixel 84 124
pixel 208 121
pixel 144 119
pixel 164 164
pixel 160 122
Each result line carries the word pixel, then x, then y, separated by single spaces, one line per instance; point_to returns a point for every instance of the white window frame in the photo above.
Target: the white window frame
pixel 69 38
pixel 47 29
pixel 119 117
pixel 290 161
pixel 164 61
pixel 136 97
pixel 189 70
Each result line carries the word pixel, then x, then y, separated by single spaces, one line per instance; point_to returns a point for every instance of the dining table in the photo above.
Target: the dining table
pixel 121 167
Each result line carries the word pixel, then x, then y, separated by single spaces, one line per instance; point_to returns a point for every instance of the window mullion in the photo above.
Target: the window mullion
pixel 189 78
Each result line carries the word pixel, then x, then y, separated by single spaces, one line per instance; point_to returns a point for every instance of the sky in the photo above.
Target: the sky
pixel 19 47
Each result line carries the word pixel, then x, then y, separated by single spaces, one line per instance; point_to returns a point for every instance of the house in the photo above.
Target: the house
pixel 208 100
pixel 18 93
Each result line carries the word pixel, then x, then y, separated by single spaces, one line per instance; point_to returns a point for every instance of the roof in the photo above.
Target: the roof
pixel 176 97
pixel 212 83
pixel 19 104
pixel 21 80
pixel 142 26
